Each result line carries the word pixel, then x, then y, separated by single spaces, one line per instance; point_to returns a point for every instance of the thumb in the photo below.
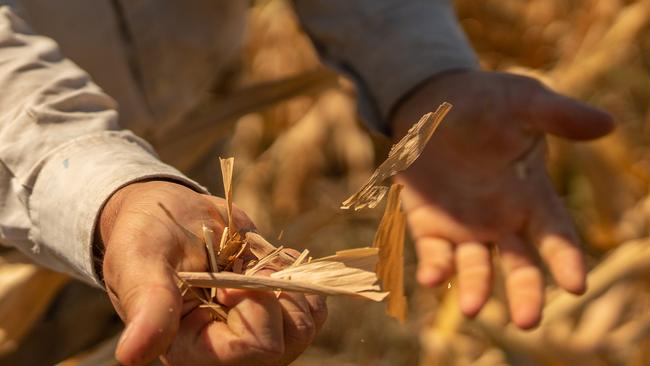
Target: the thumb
pixel 143 290
pixel 565 117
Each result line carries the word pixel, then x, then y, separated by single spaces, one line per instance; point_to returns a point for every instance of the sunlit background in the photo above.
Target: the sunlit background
pixel 293 129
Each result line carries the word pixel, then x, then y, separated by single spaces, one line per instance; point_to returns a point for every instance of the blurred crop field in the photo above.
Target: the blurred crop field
pixel 300 149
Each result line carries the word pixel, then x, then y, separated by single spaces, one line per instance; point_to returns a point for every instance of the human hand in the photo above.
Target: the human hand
pixel 144 247
pixel 482 181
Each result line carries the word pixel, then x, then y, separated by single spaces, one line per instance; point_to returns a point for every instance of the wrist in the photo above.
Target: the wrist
pixel 424 98
pixel 109 213
pixel 104 227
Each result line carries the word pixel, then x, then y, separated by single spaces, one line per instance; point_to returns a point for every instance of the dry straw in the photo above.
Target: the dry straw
pixel 237 261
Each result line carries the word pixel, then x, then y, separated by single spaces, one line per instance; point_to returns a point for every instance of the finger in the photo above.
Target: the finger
pixel 318 308
pixel 254 331
pixel 474 276
pixel 565 117
pixel 298 323
pixel 251 335
pixel 145 294
pixel 524 283
pixel 190 346
pixel 552 231
pixel 435 260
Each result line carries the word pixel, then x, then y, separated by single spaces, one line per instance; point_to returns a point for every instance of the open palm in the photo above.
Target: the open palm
pixel 482 181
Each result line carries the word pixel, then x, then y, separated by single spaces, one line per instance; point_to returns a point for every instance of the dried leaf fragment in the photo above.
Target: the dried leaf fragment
pixel 400 157
pixel 389 240
pixel 209 245
pixel 350 270
pixel 212 257
pixel 260 248
pixel 226 172
pixel 234 280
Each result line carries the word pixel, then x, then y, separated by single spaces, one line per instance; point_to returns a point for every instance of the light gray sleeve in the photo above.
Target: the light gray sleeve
pixel 62 153
pixel 388 47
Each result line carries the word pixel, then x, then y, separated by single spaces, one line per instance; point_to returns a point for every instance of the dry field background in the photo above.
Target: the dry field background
pixel 299 149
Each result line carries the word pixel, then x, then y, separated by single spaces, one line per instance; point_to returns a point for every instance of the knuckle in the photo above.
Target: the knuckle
pixel 270 352
pixel 300 321
pixel 305 327
pixel 319 311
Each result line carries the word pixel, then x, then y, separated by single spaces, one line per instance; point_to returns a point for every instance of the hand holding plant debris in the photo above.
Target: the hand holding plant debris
pixel 151 231
pixel 482 180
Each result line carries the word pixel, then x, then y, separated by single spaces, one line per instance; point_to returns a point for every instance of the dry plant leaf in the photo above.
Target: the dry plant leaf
pixel 267 262
pixel 400 157
pixel 348 272
pixel 389 240
pixel 301 258
pixel 226 172
pixel 223 240
pixel 261 248
pixel 352 270
pixel 362 258
pixel 209 245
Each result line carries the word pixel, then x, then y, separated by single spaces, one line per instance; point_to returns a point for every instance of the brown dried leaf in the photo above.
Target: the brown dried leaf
pixel 389 240
pixel 231 251
pixel 400 157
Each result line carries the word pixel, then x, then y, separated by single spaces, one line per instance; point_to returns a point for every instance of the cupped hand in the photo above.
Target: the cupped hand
pixel 482 182
pixel 150 230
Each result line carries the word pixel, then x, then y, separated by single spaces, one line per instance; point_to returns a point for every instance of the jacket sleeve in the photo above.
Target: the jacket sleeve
pixel 388 47
pixel 62 153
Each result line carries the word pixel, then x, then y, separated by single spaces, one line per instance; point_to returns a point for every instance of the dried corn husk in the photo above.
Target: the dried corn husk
pixel 401 156
pixel 346 273
pixel 389 240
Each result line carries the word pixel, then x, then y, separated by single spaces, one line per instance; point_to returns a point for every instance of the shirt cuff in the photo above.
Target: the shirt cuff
pixel 74 184
pixel 390 48
pixel 421 43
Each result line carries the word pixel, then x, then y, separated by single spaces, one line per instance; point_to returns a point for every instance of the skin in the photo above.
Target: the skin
pixel 144 246
pixel 481 182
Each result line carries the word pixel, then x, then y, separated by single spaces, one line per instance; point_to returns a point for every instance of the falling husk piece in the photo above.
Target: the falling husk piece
pixel 389 239
pixel 346 273
pixel 400 157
